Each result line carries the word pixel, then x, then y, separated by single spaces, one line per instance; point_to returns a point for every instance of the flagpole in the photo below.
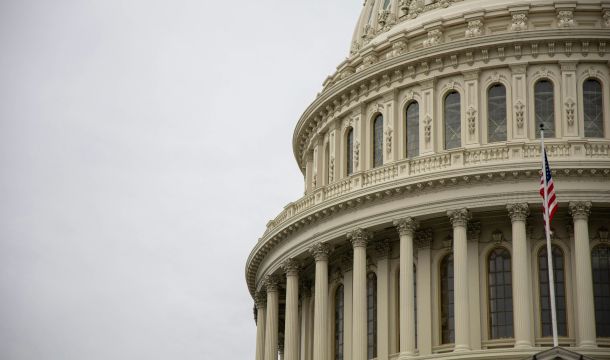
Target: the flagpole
pixel 547 230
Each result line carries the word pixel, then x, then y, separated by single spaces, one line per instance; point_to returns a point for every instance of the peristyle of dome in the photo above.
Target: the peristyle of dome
pixel 420 232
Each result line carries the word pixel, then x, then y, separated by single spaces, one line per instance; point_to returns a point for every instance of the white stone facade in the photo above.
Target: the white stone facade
pixel 459 176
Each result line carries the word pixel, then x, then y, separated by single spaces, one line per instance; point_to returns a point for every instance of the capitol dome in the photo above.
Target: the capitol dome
pixel 420 232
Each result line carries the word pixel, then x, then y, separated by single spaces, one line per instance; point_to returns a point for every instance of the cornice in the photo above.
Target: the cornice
pixel 407 187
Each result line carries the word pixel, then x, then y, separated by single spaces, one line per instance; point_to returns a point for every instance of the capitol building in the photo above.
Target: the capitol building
pixel 420 232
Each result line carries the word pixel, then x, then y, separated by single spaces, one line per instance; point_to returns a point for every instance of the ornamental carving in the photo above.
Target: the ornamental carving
pixel 272 283
pixel 474 230
pixel 369 60
pixel 497 236
pixel 356 154
pixel 320 251
pixel 399 48
pixel 459 217
pixel 570 104
pixel 580 210
pixel 434 38
pixel 519 113
pixel 519 22
pixel 518 212
pixel 428 128
pixel 423 238
pixel 406 226
pixel 471 116
pixel 474 28
pixel 606 17
pixel 565 18
pixel 331 169
pixel 260 299
pixel 602 233
pixel 388 140
pixel 291 267
pixel 358 237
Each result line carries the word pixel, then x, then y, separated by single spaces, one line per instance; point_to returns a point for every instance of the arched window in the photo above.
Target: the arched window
pixel 500 294
pixel 593 108
pixel 339 323
pixel 371 306
pixel 350 151
pixel 412 126
pixel 600 263
pixel 447 318
pixel 327 162
pixel 560 292
pixel 378 141
pixel 544 107
pixel 496 113
pixel 453 121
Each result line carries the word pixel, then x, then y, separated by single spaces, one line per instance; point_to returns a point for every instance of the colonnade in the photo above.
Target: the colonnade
pixel 355 325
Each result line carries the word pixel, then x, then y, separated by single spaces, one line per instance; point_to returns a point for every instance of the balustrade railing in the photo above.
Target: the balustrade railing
pixel 426 164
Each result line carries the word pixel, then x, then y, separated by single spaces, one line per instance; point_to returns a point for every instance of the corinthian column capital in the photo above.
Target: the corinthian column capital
pixel 406 226
pixel 291 267
pixel 272 283
pixel 459 217
pixel 320 251
pixel 261 300
pixel 580 209
pixel 359 237
pixel 518 211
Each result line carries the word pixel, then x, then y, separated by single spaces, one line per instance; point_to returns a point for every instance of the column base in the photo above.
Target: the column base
pixel 459 348
pixel 407 355
pixel 587 344
pixel 523 345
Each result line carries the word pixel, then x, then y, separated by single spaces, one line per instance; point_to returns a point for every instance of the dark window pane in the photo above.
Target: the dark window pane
pixel 371 292
pixel 453 121
pixel 447 323
pixel 378 141
pixel 412 130
pixel 593 108
pixel 339 323
pixel 350 151
pixel 600 256
pixel 544 107
pixel 500 294
pixel 496 113
pixel 545 299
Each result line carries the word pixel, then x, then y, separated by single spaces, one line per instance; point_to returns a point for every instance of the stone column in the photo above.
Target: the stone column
pixel 459 219
pixel 406 228
pixel 305 293
pixel 522 282
pixel 291 330
pixel 423 240
pixel 359 239
pixel 320 253
pixel 347 264
pixel 261 303
pixel 272 322
pixel 585 311
pixel 383 249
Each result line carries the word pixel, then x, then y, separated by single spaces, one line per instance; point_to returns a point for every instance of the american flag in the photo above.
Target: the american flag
pixel 551 203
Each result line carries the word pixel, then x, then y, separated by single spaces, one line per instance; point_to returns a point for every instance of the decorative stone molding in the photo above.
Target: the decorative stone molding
pixel 471 116
pixel 497 236
pixel 474 230
pixel 428 128
pixel 291 267
pixel 260 299
pixel 580 209
pixel 459 217
pixel 331 169
pixel 320 251
pixel 356 154
pixel 519 113
pixel 406 226
pixel 388 140
pixel 518 211
pixel 399 48
pixel 602 234
pixel 336 276
pixel 434 38
pixel 272 283
pixel 474 28
pixel 359 237
pixel 383 248
pixel 519 22
pixel 423 238
pixel 565 18
pixel 570 111
pixel 606 18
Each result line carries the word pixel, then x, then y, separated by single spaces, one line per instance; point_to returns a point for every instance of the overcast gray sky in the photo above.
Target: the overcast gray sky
pixel 144 145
